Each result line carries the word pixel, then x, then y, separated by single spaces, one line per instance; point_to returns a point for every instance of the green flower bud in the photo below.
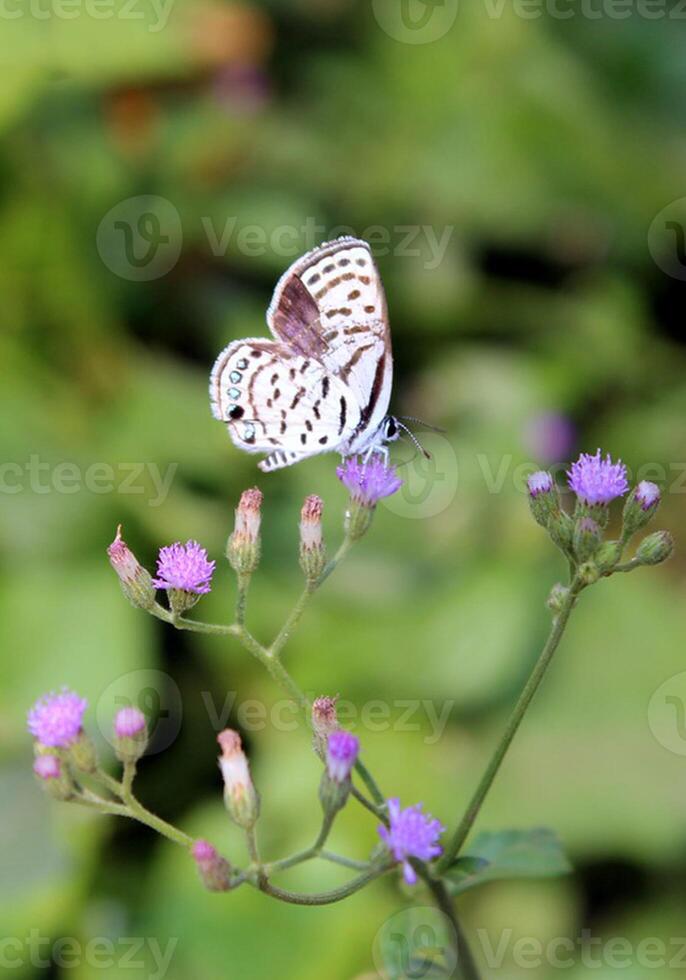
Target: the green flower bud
pixel 587 538
pixel 557 598
pixel 240 796
pixel 607 556
pixel 640 506
pixel 544 499
pixel 312 552
pixel 656 548
pixel 243 547
pixel 135 581
pixel 588 573
pixel 82 753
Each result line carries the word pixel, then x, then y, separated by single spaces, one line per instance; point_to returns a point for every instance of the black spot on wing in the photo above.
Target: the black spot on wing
pixel 343 415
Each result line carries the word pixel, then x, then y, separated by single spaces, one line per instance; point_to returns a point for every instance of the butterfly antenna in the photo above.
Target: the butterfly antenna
pixel 427 425
pixel 414 439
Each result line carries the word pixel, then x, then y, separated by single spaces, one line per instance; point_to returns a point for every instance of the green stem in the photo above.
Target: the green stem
pixel 513 724
pixel 466 966
pixel 292 621
pixel 243 585
pixel 194 626
pixel 627 566
pixel 343 550
pixel 325 898
pixel 369 782
pixel 345 861
pixel 139 812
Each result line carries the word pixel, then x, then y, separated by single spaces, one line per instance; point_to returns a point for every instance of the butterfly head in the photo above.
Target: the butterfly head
pixel 390 429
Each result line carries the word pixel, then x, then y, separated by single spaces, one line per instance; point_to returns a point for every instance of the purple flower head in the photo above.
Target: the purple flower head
pixel 596 480
pixel 370 480
pixel 341 753
pixel 540 482
pixel 215 871
pixel 411 834
pixel 47 767
pixel 647 494
pixel 184 566
pixel 56 719
pixel 129 722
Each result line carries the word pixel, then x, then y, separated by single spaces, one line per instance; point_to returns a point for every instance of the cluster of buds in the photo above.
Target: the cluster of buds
pixel 63 749
pixel 596 482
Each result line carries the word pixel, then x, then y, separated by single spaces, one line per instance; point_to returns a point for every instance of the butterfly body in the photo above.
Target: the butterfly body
pixel 323 383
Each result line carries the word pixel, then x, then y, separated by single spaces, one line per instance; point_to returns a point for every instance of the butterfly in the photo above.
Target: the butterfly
pixel 323 383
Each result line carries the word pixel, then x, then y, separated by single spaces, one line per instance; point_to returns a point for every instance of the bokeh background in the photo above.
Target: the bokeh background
pixel 543 153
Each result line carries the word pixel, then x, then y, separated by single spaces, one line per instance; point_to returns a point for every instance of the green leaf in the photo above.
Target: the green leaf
pixel 533 853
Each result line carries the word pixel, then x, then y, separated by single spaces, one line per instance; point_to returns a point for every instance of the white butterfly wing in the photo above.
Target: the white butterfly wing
pixel 325 382
pixel 277 402
pixel 330 304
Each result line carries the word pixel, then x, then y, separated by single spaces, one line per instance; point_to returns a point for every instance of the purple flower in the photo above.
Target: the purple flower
pixel 341 753
pixel 596 480
pixel 411 834
pixel 185 567
pixel 56 719
pixel 540 482
pixel 647 494
pixel 203 851
pixel 368 481
pixel 129 722
pixel 47 767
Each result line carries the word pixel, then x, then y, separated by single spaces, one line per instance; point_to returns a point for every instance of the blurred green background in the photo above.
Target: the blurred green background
pixel 542 153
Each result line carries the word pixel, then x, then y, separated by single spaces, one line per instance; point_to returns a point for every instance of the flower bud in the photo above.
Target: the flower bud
pixel 561 530
pixel 640 506
pixel 588 573
pixel 587 538
pixel 53 775
pixel 607 556
pixel 130 735
pixel 243 547
pixel 656 548
pixel 240 796
pixel 312 553
pixel 341 754
pixel 214 870
pixel 544 499
pixel 557 598
pixel 82 753
pixel 136 581
pixel 324 722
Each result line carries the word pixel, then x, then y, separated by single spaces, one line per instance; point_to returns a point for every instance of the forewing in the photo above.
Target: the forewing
pixel 278 402
pixel 330 305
